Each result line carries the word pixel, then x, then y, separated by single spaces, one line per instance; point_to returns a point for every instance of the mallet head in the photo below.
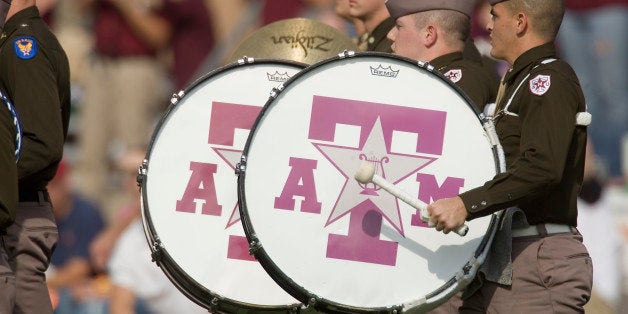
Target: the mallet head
pixel 365 172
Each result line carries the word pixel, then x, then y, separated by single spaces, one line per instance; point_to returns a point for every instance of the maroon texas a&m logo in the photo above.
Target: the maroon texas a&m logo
pixel 367 205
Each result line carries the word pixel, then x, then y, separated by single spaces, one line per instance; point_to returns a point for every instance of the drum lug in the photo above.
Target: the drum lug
pixel 425 65
pixel 311 303
pixel 213 306
pixel 141 172
pixel 176 97
pixel 275 91
pixel 240 167
pixel 254 246
pixel 346 54
pixel 156 251
pixel 245 60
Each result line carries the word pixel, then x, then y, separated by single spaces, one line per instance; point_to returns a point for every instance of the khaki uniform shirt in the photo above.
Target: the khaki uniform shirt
pixel 377 40
pixel 469 76
pixel 544 148
pixel 34 72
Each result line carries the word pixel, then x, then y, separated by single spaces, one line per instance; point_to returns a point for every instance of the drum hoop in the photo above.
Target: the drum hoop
pixel 191 288
pixel 310 300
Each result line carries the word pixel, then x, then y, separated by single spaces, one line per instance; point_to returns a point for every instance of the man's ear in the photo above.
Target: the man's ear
pixel 430 35
pixel 521 21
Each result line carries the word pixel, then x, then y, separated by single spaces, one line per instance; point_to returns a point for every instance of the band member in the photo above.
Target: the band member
pixel 537 262
pixel 376 21
pixel 35 73
pixel 436 32
pixel 8 179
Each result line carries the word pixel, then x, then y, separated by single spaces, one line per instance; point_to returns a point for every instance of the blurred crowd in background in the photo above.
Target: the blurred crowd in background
pixel 128 57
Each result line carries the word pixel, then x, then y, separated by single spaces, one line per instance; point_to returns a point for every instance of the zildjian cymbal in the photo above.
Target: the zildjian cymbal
pixel 298 39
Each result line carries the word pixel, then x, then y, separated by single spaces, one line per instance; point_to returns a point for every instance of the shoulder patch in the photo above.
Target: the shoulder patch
pixel 540 84
pixel 25 47
pixel 454 75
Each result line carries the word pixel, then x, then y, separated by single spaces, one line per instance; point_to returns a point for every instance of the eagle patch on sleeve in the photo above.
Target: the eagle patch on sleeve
pixel 540 84
pixel 454 75
pixel 25 47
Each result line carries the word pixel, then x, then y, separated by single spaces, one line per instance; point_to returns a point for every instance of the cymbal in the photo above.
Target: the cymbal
pixel 297 39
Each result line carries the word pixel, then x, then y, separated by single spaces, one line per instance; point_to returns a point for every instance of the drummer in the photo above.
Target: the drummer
pixel 436 31
pixel 537 263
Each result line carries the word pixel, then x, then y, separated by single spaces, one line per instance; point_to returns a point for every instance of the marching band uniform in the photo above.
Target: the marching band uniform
pixel 376 40
pixel 538 250
pixel 469 76
pixel 8 199
pixel 464 68
pixel 545 151
pixel 466 73
pixel 8 172
pixel 34 71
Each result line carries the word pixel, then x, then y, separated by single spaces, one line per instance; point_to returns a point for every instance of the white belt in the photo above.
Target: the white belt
pixel 533 231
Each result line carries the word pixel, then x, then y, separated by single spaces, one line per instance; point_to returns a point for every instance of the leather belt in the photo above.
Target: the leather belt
pixel 34 196
pixel 534 230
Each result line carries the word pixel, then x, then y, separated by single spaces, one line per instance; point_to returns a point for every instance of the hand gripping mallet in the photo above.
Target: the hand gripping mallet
pixel 366 173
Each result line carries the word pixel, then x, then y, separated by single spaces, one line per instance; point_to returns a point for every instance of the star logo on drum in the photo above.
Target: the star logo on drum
pixel 231 158
pixel 394 167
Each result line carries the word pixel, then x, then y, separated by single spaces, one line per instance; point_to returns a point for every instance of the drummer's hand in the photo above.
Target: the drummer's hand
pixel 447 214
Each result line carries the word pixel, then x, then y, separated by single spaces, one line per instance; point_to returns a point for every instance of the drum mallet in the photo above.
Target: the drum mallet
pixel 366 173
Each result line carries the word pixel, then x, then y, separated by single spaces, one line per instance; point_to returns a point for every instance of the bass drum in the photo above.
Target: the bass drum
pixel 340 246
pixel 189 192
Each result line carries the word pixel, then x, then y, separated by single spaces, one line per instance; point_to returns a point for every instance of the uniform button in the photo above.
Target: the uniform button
pixel 509 196
pixel 474 206
pixel 483 203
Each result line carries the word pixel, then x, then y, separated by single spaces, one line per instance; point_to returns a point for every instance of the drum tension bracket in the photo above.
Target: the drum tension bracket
pixel 176 97
pixel 254 246
pixel 141 172
pixel 240 167
pixel 156 253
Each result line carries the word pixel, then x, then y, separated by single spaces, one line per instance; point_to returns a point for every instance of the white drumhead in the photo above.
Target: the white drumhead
pixel 325 235
pixel 190 186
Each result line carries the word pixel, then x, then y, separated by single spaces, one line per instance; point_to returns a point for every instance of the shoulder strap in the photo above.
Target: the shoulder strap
pixel 16 124
pixel 525 79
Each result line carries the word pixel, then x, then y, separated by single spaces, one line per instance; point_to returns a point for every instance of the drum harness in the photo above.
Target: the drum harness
pixel 582 118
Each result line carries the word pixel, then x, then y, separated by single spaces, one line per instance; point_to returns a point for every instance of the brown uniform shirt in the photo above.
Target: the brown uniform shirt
pixel 8 169
pixel 377 40
pixel 35 73
pixel 469 76
pixel 543 146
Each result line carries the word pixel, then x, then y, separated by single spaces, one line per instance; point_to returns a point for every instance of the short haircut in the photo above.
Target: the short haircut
pixel 456 24
pixel 545 15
